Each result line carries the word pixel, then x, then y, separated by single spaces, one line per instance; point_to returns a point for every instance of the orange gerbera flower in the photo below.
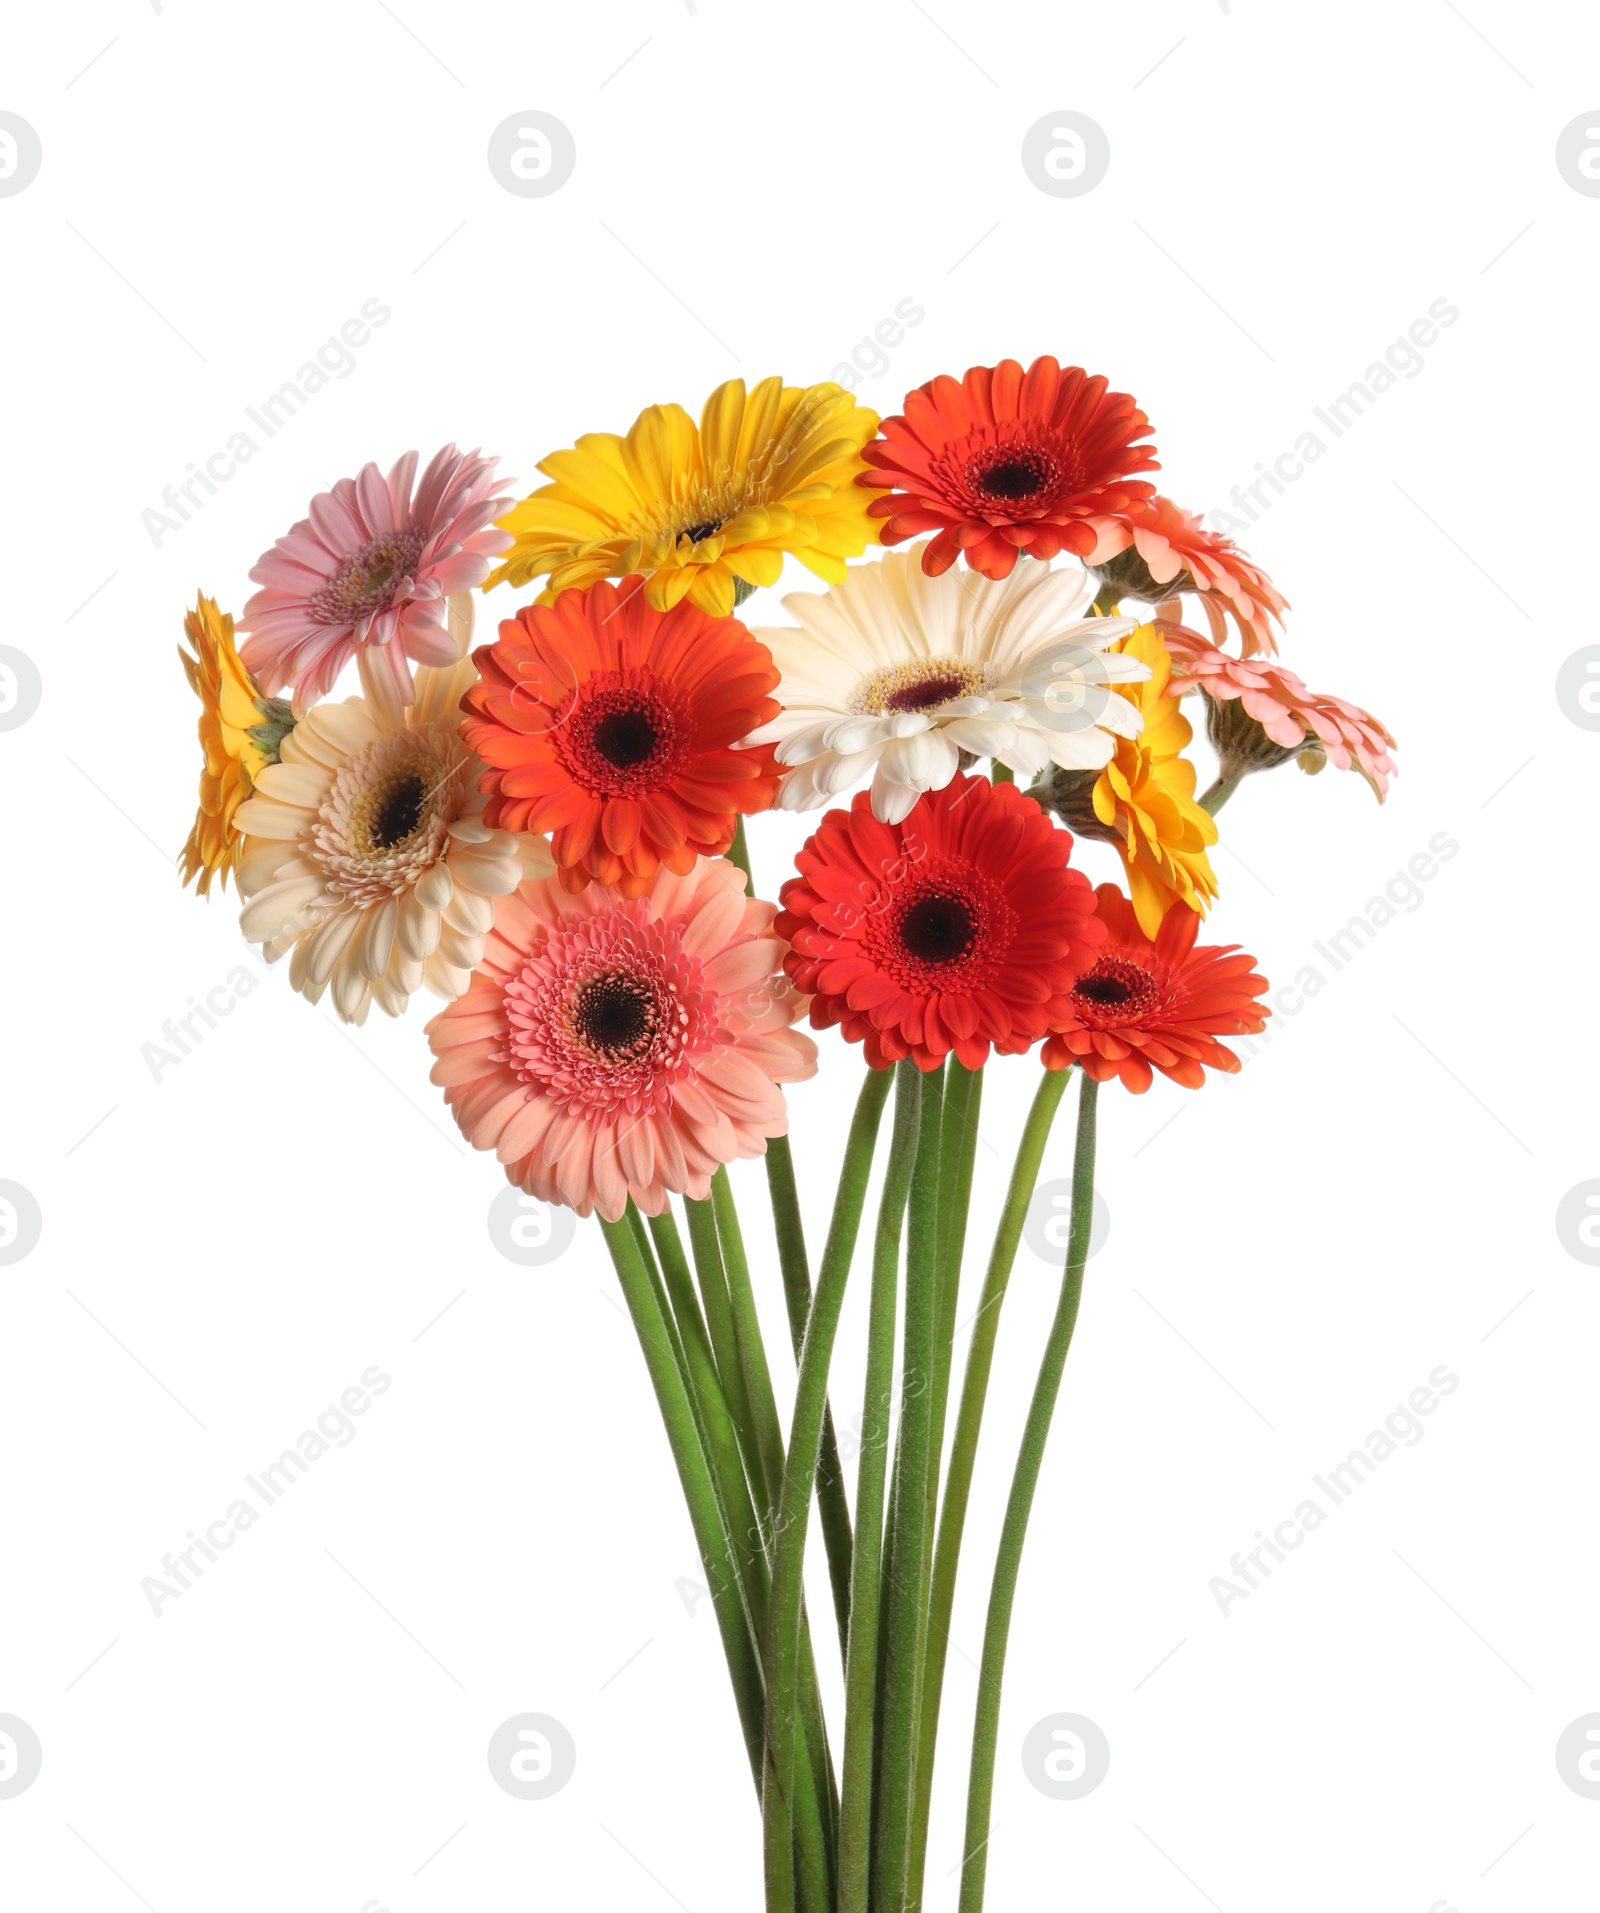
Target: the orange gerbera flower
pixel 1155 549
pixel 1156 1003
pixel 1007 461
pixel 613 726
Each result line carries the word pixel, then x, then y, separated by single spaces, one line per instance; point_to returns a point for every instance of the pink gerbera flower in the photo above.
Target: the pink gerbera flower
pixel 611 1047
pixel 366 576
pixel 1154 549
pixel 1282 719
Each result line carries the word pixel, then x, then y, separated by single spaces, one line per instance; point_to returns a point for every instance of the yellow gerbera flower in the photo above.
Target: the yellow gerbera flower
pixel 1145 796
pixel 705 514
pixel 240 731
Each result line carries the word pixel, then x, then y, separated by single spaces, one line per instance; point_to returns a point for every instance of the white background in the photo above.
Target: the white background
pixel 227 1248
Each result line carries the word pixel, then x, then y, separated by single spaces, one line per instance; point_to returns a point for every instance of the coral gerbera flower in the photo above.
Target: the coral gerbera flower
pixel 1155 549
pixel 1007 461
pixel 897 673
pixel 1156 1002
pixel 1143 801
pixel 366 858
pixel 1259 715
pixel 240 731
pixel 961 929
pixel 705 514
pixel 611 1047
pixel 613 726
pixel 366 576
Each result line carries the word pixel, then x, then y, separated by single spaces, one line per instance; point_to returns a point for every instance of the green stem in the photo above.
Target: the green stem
pixel 1106 601
pixel 752 1352
pixel 833 1504
pixel 969 1423
pixel 855 1817
pixel 1019 1505
pixel 702 1221
pixel 783 1637
pixel 738 852
pixel 910 1543
pixel 705 1516
pixel 1222 790
pixel 1001 773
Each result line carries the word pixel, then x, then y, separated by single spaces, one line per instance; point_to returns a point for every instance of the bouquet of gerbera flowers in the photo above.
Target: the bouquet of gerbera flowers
pixel 548 835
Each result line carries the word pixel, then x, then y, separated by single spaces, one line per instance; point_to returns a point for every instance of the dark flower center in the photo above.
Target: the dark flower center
pixel 938 928
pixel 625 738
pixel 1015 474
pixel 615 1014
pixel 398 811
pixel 1104 989
pixel 1115 992
pixel 927 694
pixel 694 533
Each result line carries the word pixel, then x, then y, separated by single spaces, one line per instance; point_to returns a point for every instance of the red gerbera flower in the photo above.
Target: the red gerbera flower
pixel 1157 1003
pixel 612 726
pixel 960 929
pixel 1007 461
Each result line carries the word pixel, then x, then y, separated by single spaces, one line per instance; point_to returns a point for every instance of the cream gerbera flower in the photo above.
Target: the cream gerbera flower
pixel 896 674
pixel 702 512
pixel 365 857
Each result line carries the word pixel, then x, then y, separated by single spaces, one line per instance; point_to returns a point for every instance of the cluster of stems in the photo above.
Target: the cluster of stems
pixel 853 1839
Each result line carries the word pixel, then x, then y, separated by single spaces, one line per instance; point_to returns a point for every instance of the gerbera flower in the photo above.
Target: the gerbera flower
pixel 613 1047
pixel 705 514
pixel 1154 549
pixel 1259 715
pixel 1156 1002
pixel 366 857
pixel 961 929
pixel 898 673
pixel 1007 461
pixel 366 576
pixel 1143 801
pixel 613 726
pixel 240 732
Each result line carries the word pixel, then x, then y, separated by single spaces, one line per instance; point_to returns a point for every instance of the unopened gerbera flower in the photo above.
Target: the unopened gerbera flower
pixel 703 513
pixel 1156 1003
pixel 1154 549
pixel 1143 801
pixel 1259 715
pixel 895 673
pixel 961 929
pixel 613 726
pixel 612 1047
pixel 366 858
pixel 1006 461
pixel 240 732
pixel 366 576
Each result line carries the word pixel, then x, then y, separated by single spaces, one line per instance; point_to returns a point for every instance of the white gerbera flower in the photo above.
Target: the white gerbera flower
pixel 365 853
pixel 895 673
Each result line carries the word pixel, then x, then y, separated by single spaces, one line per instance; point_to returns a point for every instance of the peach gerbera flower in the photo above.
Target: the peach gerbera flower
pixel 611 1047
pixel 702 512
pixel 366 576
pixel 1006 461
pixel 1154 549
pixel 1273 716
pixel 613 726
pixel 1156 1003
